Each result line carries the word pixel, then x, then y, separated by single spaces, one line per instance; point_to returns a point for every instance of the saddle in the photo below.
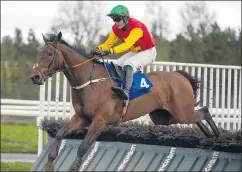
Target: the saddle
pixel 115 71
pixel 141 84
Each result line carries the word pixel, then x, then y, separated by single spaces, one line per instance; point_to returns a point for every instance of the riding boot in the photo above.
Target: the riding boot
pixel 124 93
pixel 128 82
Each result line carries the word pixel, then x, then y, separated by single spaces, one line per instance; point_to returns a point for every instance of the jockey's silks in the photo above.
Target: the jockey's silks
pixel 136 37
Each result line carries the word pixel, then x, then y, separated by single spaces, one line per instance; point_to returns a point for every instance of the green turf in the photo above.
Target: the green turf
pixel 16 166
pixel 19 138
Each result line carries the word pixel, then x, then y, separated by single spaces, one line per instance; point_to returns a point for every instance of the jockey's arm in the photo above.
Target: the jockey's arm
pixel 134 35
pixel 112 39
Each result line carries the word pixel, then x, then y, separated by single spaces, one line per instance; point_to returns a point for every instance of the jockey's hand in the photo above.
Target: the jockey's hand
pixel 103 53
pixel 94 52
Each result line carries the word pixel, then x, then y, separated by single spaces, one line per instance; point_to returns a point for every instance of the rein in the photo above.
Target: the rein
pixel 83 62
pixel 56 58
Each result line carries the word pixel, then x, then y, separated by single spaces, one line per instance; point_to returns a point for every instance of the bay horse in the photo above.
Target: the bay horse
pixel 171 100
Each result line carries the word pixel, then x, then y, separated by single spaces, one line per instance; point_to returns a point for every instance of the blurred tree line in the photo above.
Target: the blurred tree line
pixel 201 41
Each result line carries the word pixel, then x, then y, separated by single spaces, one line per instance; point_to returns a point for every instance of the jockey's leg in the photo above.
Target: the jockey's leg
pixel 120 62
pixel 142 58
pixel 138 60
pixel 130 65
pixel 128 80
pixel 123 58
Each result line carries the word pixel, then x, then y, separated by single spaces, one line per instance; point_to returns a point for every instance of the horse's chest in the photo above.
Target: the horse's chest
pixel 89 105
pixel 88 110
pixel 94 98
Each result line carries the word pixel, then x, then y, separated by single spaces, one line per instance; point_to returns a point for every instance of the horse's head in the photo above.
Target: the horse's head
pixel 50 61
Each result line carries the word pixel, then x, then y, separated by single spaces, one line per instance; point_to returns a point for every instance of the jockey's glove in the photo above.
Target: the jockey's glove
pixel 105 52
pixel 97 49
pixel 95 52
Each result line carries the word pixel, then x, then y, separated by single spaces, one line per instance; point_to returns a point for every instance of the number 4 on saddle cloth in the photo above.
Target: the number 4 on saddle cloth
pixel 141 84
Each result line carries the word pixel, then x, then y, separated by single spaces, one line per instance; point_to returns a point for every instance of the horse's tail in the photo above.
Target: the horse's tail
pixel 194 82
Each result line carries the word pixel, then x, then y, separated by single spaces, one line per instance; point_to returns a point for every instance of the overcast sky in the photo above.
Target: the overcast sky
pixel 39 14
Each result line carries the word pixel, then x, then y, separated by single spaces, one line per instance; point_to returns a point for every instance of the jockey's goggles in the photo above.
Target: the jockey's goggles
pixel 117 19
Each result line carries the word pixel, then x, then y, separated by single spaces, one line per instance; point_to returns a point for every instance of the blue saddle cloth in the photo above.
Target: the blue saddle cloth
pixel 141 84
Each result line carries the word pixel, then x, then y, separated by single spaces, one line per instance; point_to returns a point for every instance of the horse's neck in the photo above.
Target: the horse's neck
pixel 79 75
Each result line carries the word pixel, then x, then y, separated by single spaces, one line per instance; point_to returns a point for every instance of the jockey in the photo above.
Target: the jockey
pixel 136 38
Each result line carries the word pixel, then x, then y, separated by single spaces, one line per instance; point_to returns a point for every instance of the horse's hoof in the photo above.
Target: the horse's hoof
pixel 73 169
pixel 209 136
pixel 76 165
pixel 49 167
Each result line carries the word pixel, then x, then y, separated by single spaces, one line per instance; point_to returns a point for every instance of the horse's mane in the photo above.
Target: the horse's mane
pixel 80 49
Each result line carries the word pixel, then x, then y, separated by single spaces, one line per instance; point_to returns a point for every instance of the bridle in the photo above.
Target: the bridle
pixel 56 59
pixel 51 64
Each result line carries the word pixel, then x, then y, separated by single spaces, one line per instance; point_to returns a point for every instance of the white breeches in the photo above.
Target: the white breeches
pixel 137 59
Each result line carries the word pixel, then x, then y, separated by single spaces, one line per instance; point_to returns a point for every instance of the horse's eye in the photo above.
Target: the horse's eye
pixel 50 53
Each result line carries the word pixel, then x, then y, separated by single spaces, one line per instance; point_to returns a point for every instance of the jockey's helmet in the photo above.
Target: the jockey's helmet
pixel 120 11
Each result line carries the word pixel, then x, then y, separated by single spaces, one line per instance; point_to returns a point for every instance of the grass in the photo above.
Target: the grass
pixel 16 166
pixel 19 138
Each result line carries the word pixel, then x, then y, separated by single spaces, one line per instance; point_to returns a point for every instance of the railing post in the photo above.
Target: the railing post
pixel 64 96
pixel 57 95
pixel 41 114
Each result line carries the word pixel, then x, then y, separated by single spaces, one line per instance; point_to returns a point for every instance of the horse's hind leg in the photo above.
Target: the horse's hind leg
pixel 161 117
pixel 186 115
pixel 204 129
pixel 208 117
pixel 75 123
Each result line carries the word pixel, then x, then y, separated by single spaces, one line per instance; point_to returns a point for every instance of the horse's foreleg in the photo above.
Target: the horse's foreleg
pixel 94 131
pixel 75 123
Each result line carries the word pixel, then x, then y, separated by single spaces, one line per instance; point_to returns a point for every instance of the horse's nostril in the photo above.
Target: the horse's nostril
pixel 35 78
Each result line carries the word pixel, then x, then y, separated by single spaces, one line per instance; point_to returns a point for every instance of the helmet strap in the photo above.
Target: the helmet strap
pixel 126 21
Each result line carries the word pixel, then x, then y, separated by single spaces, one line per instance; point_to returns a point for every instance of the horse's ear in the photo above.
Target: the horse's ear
pixel 45 39
pixel 59 37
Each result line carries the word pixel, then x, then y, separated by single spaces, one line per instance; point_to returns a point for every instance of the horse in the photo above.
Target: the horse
pixel 171 99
